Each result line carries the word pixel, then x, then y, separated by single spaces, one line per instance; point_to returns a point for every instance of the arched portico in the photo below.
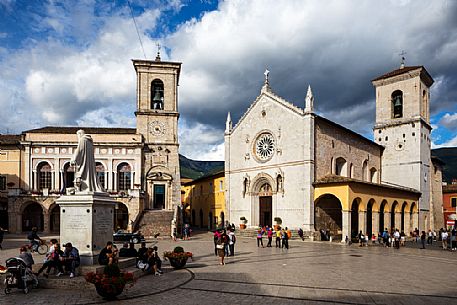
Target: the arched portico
pixel 328 215
pixel 32 216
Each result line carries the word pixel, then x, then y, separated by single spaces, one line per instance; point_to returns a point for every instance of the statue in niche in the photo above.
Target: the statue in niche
pixel 86 180
pixel 279 181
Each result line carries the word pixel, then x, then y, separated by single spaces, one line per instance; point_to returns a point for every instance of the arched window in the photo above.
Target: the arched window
pixel 397 104
pixel 364 170
pixel 341 167
pixel 69 175
pixel 100 173
pixel 373 175
pixel 351 171
pixel 157 94
pixel 424 103
pixel 44 176
pixel 124 176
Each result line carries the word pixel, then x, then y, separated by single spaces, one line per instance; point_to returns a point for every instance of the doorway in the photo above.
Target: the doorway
pixel 159 196
pixel 265 217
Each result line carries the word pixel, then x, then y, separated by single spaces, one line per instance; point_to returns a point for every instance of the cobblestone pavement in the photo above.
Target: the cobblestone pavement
pixel 307 273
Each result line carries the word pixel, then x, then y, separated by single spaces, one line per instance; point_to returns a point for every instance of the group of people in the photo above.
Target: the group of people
pixel 64 261
pixel 282 236
pixel 148 259
pixel 224 243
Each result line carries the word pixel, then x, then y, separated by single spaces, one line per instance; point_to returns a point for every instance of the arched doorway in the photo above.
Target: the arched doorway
pixel 328 215
pixel 121 216
pixel 32 217
pixel 54 219
pixel 265 205
pixel 210 220
pixel 403 226
pixel 370 217
pixel 392 216
pixel 354 218
pixel 413 217
pixel 69 175
pixel 222 216
pixel 4 223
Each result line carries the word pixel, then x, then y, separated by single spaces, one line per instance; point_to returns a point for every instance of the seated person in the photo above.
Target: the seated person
pixel 71 259
pixel 154 261
pixel 124 252
pixel 132 251
pixel 26 257
pixel 106 255
pixel 142 252
pixel 53 260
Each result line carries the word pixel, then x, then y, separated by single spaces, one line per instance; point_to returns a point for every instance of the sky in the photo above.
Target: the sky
pixel 68 63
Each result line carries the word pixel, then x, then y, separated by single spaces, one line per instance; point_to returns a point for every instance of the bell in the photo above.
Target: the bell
pixel 397 102
pixel 157 98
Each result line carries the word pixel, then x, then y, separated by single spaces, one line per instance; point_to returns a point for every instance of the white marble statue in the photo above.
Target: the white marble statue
pixel 86 180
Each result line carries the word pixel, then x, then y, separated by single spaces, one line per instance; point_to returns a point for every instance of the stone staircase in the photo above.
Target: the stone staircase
pixel 155 221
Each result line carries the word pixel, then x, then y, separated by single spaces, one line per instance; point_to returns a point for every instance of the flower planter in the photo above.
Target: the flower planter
pixel 109 292
pixel 178 263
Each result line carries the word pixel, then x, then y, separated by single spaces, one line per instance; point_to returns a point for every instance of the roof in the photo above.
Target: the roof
pixel 89 130
pixel 349 131
pixel 450 188
pixel 424 74
pixel 333 179
pixel 10 139
pixel 437 161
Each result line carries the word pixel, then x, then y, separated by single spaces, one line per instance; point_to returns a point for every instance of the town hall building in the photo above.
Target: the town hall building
pixel 288 163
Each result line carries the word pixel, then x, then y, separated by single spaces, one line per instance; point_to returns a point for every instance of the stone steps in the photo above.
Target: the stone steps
pixel 153 222
pixel 252 233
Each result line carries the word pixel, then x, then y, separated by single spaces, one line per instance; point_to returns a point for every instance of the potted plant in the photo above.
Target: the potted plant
pixel 111 283
pixel 178 257
pixel 243 223
pixel 278 224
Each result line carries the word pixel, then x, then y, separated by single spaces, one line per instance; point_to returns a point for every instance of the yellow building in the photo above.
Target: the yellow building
pixel 11 174
pixel 204 199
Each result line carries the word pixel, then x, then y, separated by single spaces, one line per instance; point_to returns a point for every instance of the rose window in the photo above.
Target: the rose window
pixel 264 146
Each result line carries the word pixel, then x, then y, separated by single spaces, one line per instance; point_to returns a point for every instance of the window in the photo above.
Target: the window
pixel 454 202
pixel 157 94
pixel 2 183
pixel 364 170
pixel 124 177
pixel 341 167
pixel 397 104
pixel 210 187
pixel 69 175
pixel 221 185
pixel 44 176
pixel 373 175
pixel 100 173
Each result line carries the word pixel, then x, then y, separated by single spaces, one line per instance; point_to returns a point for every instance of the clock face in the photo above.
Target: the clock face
pixel 264 146
pixel 157 128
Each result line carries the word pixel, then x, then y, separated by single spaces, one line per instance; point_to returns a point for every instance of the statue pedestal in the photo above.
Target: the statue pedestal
pixel 86 220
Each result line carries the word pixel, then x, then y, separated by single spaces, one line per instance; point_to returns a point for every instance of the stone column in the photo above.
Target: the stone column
pixel 53 181
pixel 346 222
pixel 375 222
pixel 106 184
pixel 62 181
pixel 362 222
pixel 398 221
pixel 387 221
pixel 115 186
pixel 35 181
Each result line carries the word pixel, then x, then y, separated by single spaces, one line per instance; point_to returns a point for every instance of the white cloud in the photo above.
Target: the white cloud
pixel 449 121
pixel 200 141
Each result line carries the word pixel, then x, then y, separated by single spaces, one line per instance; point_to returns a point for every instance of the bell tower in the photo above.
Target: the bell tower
pixel 157 121
pixel 403 128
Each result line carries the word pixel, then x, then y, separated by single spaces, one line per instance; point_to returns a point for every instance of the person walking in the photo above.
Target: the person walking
pixel 430 237
pixel 2 232
pixel 216 237
pixel 284 237
pixel 453 244
pixel 444 237
pixel 396 237
pixel 270 236
pixel 232 241
pixel 278 237
pixel 423 237
pixel 221 241
pixel 260 237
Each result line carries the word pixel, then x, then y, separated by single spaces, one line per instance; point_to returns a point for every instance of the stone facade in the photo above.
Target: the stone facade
pixel 284 161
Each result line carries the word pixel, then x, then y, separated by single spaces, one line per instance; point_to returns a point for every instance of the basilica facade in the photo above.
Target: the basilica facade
pixel 291 165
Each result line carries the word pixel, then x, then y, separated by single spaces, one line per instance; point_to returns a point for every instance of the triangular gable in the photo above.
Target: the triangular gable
pixel 275 98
